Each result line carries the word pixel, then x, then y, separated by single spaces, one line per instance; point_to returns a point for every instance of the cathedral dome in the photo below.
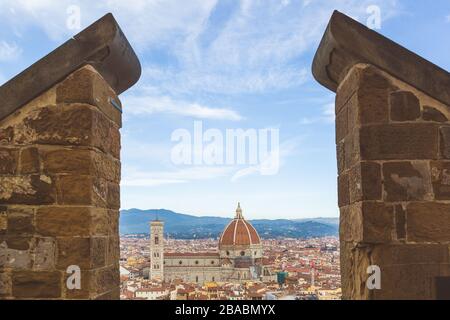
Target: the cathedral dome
pixel 239 232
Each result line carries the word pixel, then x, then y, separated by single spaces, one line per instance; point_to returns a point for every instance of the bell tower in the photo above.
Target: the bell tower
pixel 157 250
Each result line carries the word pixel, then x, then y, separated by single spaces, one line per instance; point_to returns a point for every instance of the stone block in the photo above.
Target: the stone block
pixel 365 182
pixel 36 284
pixel 20 221
pixel 30 161
pixel 82 190
pixel 8 161
pixel 407 282
pixel 400 222
pixel 63 221
pixel 444 142
pixel 433 114
pixel 404 106
pixel 406 181
pixel 86 85
pixel 428 222
pixel 85 252
pixel 44 254
pixel 399 141
pixel 29 190
pixel 343 190
pixel 6 135
pixel 5 284
pixel 440 176
pixel 341 125
pixel 367 222
pixel 67 161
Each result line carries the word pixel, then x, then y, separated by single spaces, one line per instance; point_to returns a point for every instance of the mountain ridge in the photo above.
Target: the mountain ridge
pixel 186 226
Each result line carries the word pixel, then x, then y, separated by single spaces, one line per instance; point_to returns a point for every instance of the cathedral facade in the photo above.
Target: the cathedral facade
pixel 239 256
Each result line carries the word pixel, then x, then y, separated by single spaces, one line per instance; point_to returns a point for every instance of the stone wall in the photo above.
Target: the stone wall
pixel 393 149
pixel 59 192
pixel 393 155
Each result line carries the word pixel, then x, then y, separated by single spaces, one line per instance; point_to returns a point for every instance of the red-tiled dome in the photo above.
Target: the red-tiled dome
pixel 239 232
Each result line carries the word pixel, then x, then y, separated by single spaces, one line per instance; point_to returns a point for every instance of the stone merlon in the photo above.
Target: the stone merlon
pixel 347 43
pixel 102 45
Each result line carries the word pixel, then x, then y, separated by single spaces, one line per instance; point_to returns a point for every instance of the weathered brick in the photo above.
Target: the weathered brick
pixel 404 181
pixel 15 252
pixel 74 251
pixel 6 135
pixel 402 254
pixel 58 126
pixel 399 141
pixel 367 222
pixel 355 259
pixel 113 252
pixel 8 161
pixel 82 190
pixel 106 167
pixel 350 223
pixel 378 222
pixel 68 161
pixel 85 252
pixel 340 154
pixel 34 284
pixel 365 182
pixel 33 189
pixel 440 175
pixel 400 222
pixel 5 284
pixel 29 161
pixel 86 85
pixel 445 142
pixel 63 221
pixel 113 199
pixel 20 221
pixel 428 222
pixel 341 125
pixel 107 279
pixel 433 114
pixel 404 106
pixel 343 190
pixel 44 254
pixel 352 149
pixel 407 282
pixel 3 220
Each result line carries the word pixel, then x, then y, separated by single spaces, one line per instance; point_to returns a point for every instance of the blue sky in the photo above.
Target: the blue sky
pixel 230 64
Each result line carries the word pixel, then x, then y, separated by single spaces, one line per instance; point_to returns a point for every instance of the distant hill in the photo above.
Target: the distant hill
pixel 184 226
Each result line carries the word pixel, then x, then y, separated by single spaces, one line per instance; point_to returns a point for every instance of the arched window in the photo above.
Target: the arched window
pixel 156 240
pixel 212 261
pixel 196 261
pixel 180 262
pixel 242 253
pixel 196 278
pixel 228 253
pixel 213 279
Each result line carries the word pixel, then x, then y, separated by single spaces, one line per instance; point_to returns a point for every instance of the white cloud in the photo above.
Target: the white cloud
pixel 286 149
pixel 133 177
pixel 327 116
pixel 9 51
pixel 151 104
pixel 244 48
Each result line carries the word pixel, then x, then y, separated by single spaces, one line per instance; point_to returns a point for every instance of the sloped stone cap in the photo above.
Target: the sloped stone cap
pixel 102 45
pixel 346 42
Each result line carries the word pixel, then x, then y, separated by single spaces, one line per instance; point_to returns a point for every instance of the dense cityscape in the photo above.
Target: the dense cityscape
pixel 301 269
